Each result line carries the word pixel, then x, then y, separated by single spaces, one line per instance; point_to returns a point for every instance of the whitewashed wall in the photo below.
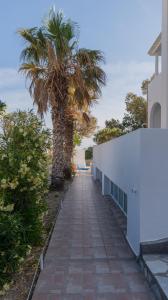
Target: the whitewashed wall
pixel 158 88
pixel 138 164
pixel 79 157
pixel 155 96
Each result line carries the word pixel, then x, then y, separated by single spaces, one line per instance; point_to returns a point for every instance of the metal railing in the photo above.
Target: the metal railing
pixel 117 194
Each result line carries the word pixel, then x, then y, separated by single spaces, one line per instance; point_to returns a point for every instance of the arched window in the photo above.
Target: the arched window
pixel 155 116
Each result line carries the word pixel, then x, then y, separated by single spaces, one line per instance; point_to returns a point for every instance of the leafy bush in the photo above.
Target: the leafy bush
pixel 69 172
pixel 23 183
pixel 2 107
pixel 106 134
pixel 89 153
pixel 13 247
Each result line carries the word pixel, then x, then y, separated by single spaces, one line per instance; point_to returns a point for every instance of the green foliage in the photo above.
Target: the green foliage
pixel 113 123
pixel 76 139
pixel 144 86
pixel 13 247
pixel 2 106
pixel 69 172
pixel 86 127
pixel 106 134
pixel 89 153
pixel 136 116
pixel 23 183
pixel 23 158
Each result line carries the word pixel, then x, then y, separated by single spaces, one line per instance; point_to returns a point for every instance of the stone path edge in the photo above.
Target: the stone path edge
pixel 47 242
pixel 152 280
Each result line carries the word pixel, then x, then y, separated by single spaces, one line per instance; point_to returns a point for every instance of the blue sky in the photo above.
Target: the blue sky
pixel 122 29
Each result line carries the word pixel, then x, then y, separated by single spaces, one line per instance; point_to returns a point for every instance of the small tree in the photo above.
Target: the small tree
pixel 89 153
pixel 144 86
pixel 2 107
pixel 136 112
pixel 114 123
pixel 106 134
pixel 86 127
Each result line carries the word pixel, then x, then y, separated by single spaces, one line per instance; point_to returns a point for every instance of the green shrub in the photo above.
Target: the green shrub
pixel 13 247
pixel 24 144
pixel 24 169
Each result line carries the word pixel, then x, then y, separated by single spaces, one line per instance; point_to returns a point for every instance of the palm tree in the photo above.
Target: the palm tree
pixel 77 120
pixel 54 65
pixel 78 108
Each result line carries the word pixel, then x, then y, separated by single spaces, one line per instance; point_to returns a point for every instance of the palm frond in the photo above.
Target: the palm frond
pixel 40 96
pixel 90 57
pixel 35 49
pixel 52 63
pixel 62 33
pixel 28 34
pixel 32 69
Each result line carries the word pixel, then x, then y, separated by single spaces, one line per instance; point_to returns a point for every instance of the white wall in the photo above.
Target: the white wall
pixel 79 157
pixel 154 185
pixel 155 96
pixel 138 164
pixel 164 50
pixel 158 88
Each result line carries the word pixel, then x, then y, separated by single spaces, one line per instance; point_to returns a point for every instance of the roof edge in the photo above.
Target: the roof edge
pixel 153 51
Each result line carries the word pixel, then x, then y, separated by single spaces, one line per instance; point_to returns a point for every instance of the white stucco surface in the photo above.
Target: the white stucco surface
pixel 79 157
pixel 138 164
pixel 158 88
pixel 154 96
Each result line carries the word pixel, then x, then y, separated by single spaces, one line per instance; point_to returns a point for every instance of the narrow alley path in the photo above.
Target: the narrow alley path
pixel 88 257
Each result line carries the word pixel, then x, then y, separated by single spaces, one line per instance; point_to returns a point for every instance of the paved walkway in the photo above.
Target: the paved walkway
pixel 88 257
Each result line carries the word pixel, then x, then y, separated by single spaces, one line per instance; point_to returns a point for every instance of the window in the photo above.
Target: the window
pixel 99 175
pixel 116 192
pixel 112 188
pixel 118 195
pixel 106 185
pixel 121 198
pixel 125 203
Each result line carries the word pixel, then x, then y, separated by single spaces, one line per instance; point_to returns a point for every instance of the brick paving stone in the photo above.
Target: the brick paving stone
pixel 54 297
pixel 88 257
pixel 137 283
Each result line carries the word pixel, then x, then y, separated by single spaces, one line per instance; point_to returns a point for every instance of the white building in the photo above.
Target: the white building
pixel 133 168
pixel 79 158
pixel 158 88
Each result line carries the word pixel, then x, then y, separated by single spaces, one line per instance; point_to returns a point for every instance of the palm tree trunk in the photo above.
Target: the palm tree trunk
pixel 68 146
pixel 58 140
